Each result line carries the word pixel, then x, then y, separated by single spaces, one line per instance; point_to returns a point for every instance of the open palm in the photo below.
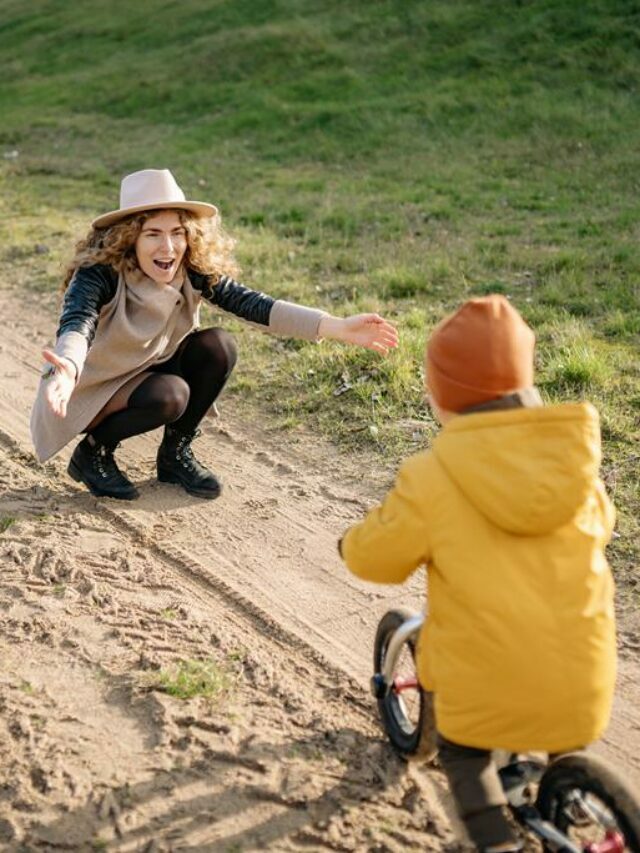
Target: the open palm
pixel 60 384
pixel 370 331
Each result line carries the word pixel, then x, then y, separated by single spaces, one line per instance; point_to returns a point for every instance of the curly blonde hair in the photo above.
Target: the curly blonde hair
pixel 209 248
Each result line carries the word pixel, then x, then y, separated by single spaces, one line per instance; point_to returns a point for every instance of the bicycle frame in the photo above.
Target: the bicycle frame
pixel 516 777
pixel 382 682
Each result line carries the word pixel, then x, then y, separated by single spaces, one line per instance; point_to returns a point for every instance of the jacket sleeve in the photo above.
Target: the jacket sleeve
pixel 275 316
pixel 391 542
pixel 89 290
pixel 231 296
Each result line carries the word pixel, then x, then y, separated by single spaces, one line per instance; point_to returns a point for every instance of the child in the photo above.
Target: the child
pixel 509 516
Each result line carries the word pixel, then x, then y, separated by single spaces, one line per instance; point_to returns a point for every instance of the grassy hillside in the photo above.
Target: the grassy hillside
pixel 396 155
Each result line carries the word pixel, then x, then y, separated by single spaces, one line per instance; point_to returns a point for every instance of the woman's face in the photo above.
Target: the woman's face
pixel 161 245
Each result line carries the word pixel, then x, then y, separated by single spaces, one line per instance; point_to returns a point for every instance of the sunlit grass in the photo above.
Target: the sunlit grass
pixel 392 157
pixel 191 678
pixel 578 369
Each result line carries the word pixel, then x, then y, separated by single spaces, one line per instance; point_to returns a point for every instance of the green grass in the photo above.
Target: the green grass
pixel 397 156
pixel 194 678
pixel 169 613
pixel 578 369
pixel 5 522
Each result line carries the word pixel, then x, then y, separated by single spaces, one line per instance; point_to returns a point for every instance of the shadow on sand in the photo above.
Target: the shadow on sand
pixel 228 801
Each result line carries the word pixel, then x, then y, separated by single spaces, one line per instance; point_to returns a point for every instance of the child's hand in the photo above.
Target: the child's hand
pixel 366 330
pixel 60 382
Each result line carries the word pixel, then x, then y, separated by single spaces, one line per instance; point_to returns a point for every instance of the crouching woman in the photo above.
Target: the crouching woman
pixel 130 356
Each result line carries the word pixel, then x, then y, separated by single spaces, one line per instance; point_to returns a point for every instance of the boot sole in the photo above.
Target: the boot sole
pixel 208 494
pixel 74 472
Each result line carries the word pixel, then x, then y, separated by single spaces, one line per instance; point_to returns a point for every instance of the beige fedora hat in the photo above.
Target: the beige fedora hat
pixel 151 189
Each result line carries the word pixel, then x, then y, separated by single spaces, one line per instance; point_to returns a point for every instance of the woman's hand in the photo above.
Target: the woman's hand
pixel 366 330
pixel 60 383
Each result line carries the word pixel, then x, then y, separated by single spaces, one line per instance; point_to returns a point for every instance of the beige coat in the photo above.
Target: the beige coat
pixel 141 326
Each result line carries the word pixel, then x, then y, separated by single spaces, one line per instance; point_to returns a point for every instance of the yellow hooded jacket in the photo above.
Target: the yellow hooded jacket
pixel 511 520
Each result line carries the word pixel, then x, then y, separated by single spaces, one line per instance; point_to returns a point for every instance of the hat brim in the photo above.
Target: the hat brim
pixel 200 208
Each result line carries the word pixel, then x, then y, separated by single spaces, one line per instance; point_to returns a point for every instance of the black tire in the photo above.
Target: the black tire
pixel 587 774
pixel 411 738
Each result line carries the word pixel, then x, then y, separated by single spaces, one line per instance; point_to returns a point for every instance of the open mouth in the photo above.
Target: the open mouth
pixel 164 265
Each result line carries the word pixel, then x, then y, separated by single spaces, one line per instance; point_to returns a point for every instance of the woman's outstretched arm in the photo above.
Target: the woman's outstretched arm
pixel 366 330
pixel 279 317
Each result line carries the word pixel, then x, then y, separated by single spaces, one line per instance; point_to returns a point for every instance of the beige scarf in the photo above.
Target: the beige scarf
pixel 141 326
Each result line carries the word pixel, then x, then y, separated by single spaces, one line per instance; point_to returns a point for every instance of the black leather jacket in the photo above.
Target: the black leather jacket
pixel 92 287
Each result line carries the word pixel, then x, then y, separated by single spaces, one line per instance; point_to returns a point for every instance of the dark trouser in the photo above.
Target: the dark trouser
pixel 477 790
pixel 179 392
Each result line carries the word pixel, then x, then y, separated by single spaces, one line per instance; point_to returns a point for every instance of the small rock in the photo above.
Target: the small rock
pixel 342 389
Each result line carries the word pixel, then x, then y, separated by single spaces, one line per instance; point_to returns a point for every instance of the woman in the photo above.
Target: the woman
pixel 129 356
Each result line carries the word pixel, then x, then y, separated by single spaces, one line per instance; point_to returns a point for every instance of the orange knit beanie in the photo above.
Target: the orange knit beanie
pixel 482 351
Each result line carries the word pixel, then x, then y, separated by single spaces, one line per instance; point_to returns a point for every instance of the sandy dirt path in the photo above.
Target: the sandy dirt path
pixel 136 586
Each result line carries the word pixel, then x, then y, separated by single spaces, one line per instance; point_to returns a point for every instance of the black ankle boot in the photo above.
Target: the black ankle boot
pixel 177 464
pixel 93 464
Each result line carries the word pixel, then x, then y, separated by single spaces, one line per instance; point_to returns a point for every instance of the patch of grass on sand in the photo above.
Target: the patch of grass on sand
pixel 190 678
pixel 169 613
pixel 5 522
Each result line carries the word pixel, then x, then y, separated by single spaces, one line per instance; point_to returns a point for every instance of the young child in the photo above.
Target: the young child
pixel 511 520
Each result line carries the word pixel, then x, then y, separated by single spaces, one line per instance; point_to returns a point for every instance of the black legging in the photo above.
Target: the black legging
pixel 180 391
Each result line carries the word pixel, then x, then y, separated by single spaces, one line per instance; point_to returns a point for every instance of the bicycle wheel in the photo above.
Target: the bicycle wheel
pixel 587 801
pixel 406 712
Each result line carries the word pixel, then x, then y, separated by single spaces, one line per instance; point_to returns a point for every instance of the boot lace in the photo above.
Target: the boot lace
pixel 184 451
pixel 103 461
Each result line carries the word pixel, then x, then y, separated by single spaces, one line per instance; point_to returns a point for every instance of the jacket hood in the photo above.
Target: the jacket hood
pixel 527 470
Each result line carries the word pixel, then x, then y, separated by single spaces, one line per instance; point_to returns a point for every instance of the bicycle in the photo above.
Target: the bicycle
pixel 576 803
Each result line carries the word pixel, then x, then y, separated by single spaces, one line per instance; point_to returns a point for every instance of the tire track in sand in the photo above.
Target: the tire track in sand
pixel 269 544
